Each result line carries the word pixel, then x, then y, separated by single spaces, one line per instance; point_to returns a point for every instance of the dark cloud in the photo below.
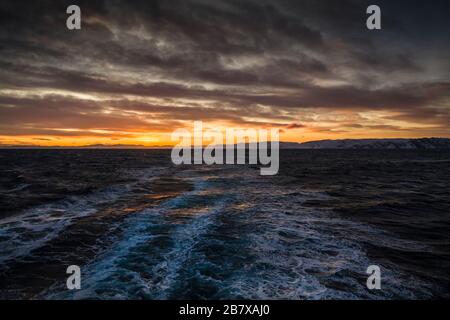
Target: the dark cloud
pixel 241 61
pixel 295 126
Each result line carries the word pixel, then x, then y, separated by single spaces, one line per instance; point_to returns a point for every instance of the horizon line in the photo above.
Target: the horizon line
pixel 138 146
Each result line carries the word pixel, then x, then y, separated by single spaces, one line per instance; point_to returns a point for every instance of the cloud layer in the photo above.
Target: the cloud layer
pixel 139 69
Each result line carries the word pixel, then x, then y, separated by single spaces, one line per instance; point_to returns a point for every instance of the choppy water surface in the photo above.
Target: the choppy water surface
pixel 141 228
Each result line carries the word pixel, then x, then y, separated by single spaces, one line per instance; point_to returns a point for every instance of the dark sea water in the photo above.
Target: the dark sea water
pixel 142 228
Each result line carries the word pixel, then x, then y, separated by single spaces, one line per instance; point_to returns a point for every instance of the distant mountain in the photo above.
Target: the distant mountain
pixel 424 143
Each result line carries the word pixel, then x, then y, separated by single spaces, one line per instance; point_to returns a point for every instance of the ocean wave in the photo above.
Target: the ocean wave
pixel 22 233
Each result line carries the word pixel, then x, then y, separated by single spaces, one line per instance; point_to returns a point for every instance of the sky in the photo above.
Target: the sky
pixel 138 70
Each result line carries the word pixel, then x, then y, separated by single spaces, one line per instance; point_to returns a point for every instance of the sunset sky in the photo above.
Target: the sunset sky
pixel 138 70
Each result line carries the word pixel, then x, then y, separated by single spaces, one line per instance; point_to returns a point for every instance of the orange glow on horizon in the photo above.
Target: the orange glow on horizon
pixel 163 139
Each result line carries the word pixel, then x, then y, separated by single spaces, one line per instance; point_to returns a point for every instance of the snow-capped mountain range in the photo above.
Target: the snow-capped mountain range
pixel 423 143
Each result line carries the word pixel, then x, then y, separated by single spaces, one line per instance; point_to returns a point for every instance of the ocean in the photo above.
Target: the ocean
pixel 140 227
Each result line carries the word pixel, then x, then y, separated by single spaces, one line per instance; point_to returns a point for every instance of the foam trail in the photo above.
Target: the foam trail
pixel 125 272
